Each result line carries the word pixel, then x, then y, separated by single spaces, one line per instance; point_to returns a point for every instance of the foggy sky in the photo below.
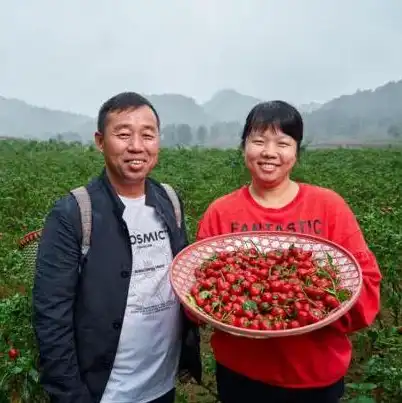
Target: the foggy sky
pixel 72 55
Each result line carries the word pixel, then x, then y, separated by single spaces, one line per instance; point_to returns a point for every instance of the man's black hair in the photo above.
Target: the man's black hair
pixel 277 115
pixel 121 102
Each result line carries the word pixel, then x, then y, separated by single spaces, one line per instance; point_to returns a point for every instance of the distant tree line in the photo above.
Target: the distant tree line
pixel 319 128
pixel 220 134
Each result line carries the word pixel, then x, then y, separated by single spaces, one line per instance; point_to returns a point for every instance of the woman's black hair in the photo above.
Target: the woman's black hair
pixel 274 114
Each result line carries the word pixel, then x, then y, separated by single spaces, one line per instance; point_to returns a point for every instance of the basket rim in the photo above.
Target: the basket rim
pixel 264 334
pixel 29 237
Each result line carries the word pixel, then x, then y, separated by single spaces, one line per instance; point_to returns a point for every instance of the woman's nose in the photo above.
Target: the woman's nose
pixel 269 150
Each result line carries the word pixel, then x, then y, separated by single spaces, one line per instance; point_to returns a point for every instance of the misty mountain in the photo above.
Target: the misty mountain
pixel 20 119
pixel 370 114
pixel 366 115
pixel 310 107
pixel 229 106
pixel 179 109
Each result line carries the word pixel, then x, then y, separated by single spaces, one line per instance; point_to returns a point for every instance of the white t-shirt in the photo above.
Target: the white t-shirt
pixel 149 348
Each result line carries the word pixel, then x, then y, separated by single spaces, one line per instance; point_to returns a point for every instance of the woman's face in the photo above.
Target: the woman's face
pixel 270 156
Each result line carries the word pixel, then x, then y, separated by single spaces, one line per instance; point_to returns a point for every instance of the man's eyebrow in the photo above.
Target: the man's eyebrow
pixel 122 126
pixel 127 126
pixel 149 127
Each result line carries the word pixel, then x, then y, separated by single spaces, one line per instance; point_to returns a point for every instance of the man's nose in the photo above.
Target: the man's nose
pixel 135 143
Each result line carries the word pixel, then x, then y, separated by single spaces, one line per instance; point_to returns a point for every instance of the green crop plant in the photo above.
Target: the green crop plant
pixel 34 174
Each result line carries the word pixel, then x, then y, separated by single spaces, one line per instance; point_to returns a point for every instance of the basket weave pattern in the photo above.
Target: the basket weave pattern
pixel 29 246
pixel 182 271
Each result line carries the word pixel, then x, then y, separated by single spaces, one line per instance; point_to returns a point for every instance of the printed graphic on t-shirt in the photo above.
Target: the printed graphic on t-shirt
pixel 150 290
pixel 147 240
pixel 309 226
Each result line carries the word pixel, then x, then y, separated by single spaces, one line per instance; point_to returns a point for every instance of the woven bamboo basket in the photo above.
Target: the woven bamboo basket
pixel 185 263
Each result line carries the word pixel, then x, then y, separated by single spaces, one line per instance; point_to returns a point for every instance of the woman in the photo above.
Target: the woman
pixel 307 368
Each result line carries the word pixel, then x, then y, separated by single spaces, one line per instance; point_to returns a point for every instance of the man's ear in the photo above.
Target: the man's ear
pixel 99 141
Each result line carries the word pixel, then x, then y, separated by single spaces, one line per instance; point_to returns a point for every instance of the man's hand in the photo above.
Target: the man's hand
pixel 184 376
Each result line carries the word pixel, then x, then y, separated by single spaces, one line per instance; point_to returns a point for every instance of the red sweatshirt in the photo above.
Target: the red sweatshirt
pixel 315 359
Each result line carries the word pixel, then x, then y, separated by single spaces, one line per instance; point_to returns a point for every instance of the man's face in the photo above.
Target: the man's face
pixel 130 144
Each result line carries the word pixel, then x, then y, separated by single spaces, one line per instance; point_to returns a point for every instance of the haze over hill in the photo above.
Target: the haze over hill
pixel 365 116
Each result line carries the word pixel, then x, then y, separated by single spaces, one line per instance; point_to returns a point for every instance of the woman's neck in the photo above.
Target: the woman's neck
pixel 275 197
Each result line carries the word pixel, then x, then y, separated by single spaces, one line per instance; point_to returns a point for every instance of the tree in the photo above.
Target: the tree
pixel 184 135
pixel 394 131
pixel 169 135
pixel 202 133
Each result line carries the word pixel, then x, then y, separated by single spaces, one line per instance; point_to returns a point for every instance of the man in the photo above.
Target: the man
pixel 109 326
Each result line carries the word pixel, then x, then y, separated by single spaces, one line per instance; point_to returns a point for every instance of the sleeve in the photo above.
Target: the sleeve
pixel 53 304
pixel 210 224
pixel 347 233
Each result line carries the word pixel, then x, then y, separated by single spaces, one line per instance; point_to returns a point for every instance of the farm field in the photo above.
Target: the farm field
pixel 33 175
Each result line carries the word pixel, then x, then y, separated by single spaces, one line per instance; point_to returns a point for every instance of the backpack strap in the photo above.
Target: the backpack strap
pixel 84 204
pixel 175 201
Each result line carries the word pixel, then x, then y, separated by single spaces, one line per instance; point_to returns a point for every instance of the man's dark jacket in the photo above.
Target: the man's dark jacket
pixel 78 317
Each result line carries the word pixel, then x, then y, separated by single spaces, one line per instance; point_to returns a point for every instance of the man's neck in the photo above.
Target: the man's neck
pixel 131 190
